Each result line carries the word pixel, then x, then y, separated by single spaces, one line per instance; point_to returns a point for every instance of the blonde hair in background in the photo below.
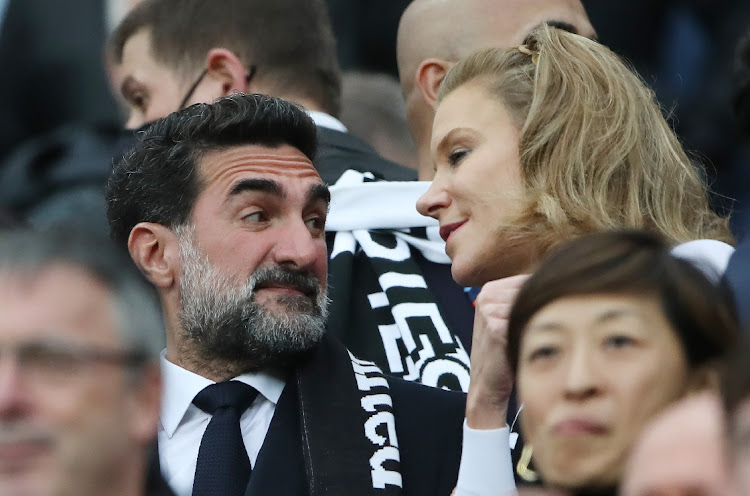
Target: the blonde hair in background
pixel 596 152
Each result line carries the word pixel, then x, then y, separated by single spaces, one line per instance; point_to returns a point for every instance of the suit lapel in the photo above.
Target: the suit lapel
pixel 279 469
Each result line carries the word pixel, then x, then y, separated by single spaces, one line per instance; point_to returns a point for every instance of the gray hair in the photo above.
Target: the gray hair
pixel 138 317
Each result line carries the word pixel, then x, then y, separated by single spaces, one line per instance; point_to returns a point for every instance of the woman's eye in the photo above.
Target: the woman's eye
pixel 457 156
pixel 618 341
pixel 542 353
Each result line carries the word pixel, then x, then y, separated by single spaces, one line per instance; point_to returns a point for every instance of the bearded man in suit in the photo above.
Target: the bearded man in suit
pixel 223 212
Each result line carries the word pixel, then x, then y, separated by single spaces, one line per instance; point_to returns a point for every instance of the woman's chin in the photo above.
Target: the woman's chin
pixel 467 275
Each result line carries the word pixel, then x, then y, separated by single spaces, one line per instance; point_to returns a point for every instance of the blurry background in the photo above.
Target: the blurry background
pixel 53 77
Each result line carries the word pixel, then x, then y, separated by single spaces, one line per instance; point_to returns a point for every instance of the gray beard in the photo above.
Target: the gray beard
pixel 221 320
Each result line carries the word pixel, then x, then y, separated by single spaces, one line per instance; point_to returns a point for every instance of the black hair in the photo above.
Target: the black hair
pixel 701 312
pixel 158 179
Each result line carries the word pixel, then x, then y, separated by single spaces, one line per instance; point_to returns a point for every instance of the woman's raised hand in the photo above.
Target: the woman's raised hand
pixel 491 377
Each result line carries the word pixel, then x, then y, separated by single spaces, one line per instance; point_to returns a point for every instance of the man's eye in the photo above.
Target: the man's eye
pixel 43 360
pixel 457 156
pixel 316 223
pixel 258 216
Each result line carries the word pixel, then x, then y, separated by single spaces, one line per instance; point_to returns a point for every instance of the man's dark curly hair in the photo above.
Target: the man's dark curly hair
pixel 158 179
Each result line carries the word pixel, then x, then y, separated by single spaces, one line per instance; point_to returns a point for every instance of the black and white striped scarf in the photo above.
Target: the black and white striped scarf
pixel 348 426
pixel 382 307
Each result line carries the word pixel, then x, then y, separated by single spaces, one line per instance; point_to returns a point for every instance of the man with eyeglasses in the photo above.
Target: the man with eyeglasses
pixel 79 377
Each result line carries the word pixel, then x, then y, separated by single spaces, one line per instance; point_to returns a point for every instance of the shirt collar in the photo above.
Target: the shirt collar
pixel 324 120
pixel 181 386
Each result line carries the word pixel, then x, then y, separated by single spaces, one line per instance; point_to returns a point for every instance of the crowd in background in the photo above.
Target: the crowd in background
pixel 523 260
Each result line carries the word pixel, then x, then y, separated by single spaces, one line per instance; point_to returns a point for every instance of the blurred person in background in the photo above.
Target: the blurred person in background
pixel 222 210
pixel 685 51
pixel 435 34
pixel 59 126
pixel 373 109
pixel 393 299
pixel 243 48
pixel 682 452
pixel 58 76
pixel 514 178
pixel 738 272
pixel 80 386
pixel 609 331
pixel 736 400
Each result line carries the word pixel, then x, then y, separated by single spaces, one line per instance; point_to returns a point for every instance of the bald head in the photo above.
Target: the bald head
pixel 452 29
pixel 435 34
pixel 682 452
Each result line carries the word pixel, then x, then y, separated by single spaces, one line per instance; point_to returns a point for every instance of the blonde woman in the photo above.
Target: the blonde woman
pixel 534 146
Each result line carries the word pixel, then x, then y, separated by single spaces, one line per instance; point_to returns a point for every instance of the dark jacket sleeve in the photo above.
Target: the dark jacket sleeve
pixel 429 426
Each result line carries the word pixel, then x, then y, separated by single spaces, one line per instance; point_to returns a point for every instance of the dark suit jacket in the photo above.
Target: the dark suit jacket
pixel 738 277
pixel 338 152
pixel 429 427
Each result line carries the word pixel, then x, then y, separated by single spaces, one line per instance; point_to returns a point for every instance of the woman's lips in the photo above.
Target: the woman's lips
pixel 447 230
pixel 580 427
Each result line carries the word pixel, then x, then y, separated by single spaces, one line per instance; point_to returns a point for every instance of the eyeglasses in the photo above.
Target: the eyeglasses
pixel 194 86
pixel 55 362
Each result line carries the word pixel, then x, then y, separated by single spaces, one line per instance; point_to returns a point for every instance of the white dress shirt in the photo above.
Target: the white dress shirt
pixel 183 424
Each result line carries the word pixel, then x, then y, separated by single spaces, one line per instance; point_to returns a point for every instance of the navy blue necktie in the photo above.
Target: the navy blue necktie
pixel 223 467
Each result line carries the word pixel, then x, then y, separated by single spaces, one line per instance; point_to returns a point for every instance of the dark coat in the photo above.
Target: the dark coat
pixel 339 152
pixel 429 425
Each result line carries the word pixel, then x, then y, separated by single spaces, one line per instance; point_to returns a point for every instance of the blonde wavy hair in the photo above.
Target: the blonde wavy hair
pixel 596 152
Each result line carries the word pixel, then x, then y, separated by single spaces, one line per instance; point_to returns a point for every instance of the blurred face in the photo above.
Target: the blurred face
pixel 69 423
pixel 477 185
pixel 149 89
pixel 254 266
pixel 592 371
pixel 681 453
pixel 740 444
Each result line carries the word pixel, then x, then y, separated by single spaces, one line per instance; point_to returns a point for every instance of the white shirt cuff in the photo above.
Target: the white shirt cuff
pixel 486 466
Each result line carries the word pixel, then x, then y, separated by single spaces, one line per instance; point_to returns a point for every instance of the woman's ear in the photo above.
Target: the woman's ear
pixel 430 75
pixel 155 250
pixel 227 70
pixel 707 377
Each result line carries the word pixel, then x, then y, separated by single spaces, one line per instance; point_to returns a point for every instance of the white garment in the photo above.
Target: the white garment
pixel 358 206
pixel 183 424
pixel 486 466
pixel 328 121
pixel 709 255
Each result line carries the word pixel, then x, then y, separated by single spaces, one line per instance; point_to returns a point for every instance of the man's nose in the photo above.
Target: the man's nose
pixel 12 388
pixel 298 246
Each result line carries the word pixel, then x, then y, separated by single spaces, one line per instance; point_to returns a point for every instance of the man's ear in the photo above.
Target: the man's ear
pixel 430 74
pixel 155 250
pixel 227 70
